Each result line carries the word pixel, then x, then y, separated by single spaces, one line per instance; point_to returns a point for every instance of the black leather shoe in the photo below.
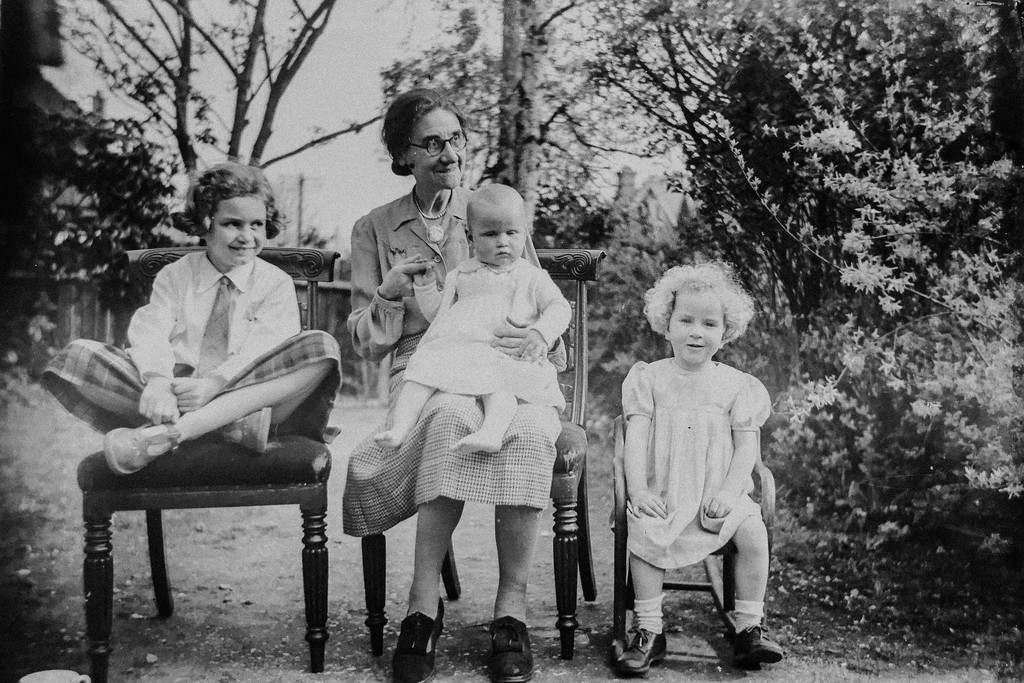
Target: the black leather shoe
pixel 645 649
pixel 511 656
pixel 753 648
pixel 417 644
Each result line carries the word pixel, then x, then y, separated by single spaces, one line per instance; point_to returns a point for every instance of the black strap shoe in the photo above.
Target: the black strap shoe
pixel 644 650
pixel 511 656
pixel 752 648
pixel 413 661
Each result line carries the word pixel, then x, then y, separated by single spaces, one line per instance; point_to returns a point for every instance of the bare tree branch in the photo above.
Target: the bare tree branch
pixel 311 30
pixel 315 142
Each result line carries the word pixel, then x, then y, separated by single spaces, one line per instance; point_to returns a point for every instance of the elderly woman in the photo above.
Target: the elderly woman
pixel 394 247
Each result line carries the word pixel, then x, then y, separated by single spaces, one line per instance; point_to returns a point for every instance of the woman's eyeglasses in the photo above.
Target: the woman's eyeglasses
pixel 434 145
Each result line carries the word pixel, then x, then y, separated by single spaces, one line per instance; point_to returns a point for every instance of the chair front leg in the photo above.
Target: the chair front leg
pixel 314 583
pixel 375 556
pixel 98 577
pixel 566 562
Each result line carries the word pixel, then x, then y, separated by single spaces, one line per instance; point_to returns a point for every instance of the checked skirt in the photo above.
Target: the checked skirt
pixel 385 485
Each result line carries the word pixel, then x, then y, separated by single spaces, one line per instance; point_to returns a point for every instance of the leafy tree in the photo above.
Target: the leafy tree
pixel 153 54
pixel 106 189
pixel 845 159
pixel 531 114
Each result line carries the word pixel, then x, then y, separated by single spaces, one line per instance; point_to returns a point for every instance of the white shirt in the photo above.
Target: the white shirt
pixel 169 329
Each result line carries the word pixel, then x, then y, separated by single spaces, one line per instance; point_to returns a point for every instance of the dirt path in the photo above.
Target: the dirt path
pixel 236 579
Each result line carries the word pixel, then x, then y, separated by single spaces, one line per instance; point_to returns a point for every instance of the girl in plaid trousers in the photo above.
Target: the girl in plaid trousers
pixel 218 348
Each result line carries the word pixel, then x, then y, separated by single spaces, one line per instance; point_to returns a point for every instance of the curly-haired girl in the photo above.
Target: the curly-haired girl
pixel 691 445
pixel 219 346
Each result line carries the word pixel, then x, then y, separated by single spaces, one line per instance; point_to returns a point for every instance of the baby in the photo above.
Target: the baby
pixel 456 354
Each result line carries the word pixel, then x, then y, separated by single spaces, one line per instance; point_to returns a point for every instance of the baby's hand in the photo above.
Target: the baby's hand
pixel 720 505
pixel 533 349
pixel 647 503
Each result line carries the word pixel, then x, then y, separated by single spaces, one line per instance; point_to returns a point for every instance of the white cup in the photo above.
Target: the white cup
pixel 55 676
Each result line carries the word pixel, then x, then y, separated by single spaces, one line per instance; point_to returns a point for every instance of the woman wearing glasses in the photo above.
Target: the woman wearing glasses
pixel 416 240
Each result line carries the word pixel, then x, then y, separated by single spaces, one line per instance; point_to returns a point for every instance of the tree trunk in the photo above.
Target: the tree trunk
pixel 522 61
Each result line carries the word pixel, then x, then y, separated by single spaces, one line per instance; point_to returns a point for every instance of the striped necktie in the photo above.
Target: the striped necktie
pixel 214 350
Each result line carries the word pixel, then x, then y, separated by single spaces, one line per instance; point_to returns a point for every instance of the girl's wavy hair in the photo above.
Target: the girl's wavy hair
pixel 405 112
pixel 226 181
pixel 709 276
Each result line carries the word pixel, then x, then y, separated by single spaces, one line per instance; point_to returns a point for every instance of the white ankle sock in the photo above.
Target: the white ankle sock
pixel 647 614
pixel 748 613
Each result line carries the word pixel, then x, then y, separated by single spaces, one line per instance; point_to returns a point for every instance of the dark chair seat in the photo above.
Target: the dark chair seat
pixel 209 463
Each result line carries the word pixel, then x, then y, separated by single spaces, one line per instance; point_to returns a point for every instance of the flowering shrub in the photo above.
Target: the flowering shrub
pixel 846 161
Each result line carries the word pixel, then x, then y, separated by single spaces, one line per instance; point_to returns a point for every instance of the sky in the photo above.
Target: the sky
pixel 338 84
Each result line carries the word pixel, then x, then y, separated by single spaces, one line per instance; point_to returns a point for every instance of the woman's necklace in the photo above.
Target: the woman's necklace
pixel 435 232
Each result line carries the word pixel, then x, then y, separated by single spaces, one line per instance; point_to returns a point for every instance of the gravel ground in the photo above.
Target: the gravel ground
pixel 236 578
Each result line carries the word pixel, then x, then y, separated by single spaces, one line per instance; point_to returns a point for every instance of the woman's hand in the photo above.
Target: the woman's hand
pixel 398 281
pixel 158 403
pixel 647 504
pixel 721 504
pixel 192 393
pixel 533 348
pixel 511 338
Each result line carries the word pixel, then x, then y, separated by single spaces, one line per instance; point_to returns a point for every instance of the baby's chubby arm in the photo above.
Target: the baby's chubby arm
pixel 555 313
pixel 641 500
pixel 745 445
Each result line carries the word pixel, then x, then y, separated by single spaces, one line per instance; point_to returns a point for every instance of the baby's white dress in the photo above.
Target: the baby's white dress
pixel 455 354
pixel 693 415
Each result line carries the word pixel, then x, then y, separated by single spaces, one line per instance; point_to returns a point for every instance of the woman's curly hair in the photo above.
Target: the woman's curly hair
pixel 226 181
pixel 709 276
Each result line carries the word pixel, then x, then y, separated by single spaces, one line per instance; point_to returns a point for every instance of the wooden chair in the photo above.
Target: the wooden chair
pixel 571 544
pixel 210 473
pixel 720 567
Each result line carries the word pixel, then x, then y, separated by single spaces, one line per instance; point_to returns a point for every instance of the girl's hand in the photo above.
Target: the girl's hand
pixel 192 393
pixel 533 348
pixel 647 503
pixel 158 402
pixel 720 505
pixel 398 281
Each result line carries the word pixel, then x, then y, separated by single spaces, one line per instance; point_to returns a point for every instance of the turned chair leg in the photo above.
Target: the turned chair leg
pixel 586 558
pixel 314 583
pixel 98 575
pixel 450 575
pixel 375 555
pixel 566 562
pixel 158 563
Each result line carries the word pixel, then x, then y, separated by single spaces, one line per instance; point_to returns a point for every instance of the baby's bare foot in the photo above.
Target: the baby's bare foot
pixel 479 441
pixel 389 439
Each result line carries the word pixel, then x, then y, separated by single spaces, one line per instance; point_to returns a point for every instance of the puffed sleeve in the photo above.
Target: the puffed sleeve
pixel 375 323
pixel 638 392
pixel 751 407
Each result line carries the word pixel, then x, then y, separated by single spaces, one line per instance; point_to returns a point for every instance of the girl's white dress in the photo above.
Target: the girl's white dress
pixel 693 416
pixel 455 354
